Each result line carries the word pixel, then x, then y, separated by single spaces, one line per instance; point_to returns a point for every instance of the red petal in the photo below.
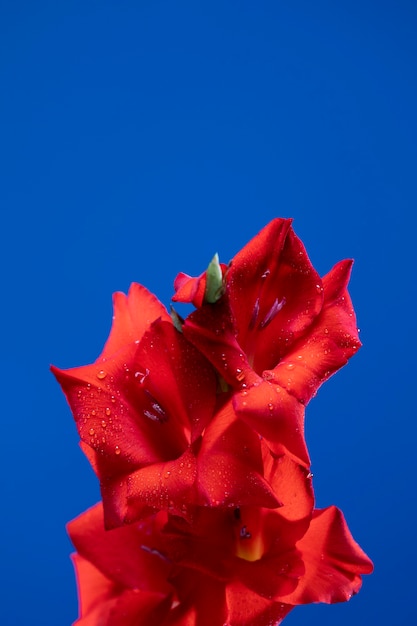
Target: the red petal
pixel 133 315
pixel 211 330
pixel 328 344
pixel 276 416
pixel 168 486
pixel 179 376
pixel 102 602
pixel 189 289
pixel 275 293
pixel 333 560
pixel 106 419
pixel 245 607
pixel 230 467
pixel 135 607
pixel 274 576
pixel 292 485
pixel 96 593
pixel 141 407
pixel 118 554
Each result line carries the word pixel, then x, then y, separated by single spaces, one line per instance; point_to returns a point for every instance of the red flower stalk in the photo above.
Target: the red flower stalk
pixel 195 429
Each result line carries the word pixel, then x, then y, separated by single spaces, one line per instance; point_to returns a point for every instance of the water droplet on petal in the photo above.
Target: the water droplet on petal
pixel 117 450
pixel 103 424
pixel 91 431
pixel 240 375
pixel 101 374
pixel 108 411
pixel 290 366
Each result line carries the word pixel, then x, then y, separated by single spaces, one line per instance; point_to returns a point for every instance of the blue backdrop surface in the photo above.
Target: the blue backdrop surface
pixel 137 139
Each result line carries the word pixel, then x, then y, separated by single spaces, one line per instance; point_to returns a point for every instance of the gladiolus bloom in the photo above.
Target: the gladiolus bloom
pixel 276 332
pixel 195 429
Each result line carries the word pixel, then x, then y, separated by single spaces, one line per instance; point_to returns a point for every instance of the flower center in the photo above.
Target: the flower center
pixel 249 541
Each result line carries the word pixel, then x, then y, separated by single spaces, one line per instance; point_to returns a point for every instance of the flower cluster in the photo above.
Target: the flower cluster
pixel 195 430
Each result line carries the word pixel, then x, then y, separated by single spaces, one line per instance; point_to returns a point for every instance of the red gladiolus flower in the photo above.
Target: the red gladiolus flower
pixel 229 566
pixel 277 331
pixel 195 429
pixel 141 410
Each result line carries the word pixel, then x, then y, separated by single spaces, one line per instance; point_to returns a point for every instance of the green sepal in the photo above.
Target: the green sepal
pixel 214 285
pixel 177 320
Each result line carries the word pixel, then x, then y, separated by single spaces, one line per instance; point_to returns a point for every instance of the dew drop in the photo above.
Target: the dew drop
pixel 103 424
pixel 117 450
pixel 91 431
pixel 101 374
pixel 93 412
pixel 113 399
pixel 290 366
pixel 240 375
pixel 108 411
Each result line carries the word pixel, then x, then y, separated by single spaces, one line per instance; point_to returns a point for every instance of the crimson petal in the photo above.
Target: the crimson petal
pixel 189 289
pixel 275 293
pixel 230 465
pixel 330 342
pixel 132 316
pixel 277 416
pixel 333 560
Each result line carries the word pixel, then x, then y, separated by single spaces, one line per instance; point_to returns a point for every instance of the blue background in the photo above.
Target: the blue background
pixel 137 139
